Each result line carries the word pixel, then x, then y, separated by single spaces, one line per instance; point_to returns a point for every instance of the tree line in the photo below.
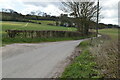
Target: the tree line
pixel 82 15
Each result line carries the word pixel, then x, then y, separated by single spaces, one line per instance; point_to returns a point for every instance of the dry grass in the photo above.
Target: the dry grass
pixel 106 52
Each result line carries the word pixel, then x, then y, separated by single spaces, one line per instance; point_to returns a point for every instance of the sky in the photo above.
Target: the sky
pixel 109 11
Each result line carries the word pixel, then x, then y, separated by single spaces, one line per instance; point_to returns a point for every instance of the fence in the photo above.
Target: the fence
pixel 41 34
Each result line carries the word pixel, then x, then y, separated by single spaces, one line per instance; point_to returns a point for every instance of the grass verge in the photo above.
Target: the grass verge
pixel 105 50
pixel 99 58
pixel 83 66
pixel 6 41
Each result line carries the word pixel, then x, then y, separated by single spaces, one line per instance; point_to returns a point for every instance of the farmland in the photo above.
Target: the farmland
pixel 113 33
pixel 33 26
pixel 10 25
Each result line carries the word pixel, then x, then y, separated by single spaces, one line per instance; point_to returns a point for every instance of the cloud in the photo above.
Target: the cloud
pixel 119 13
pixel 53 10
pixel 47 7
pixel 43 4
pixel 110 21
pixel 109 8
pixel 16 5
pixel 109 11
pixel 26 7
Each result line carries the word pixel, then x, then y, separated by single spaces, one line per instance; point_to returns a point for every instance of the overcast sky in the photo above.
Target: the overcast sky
pixel 109 8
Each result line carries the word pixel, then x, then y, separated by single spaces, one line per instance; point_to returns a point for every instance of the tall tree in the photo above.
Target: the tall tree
pixel 32 13
pixel 83 12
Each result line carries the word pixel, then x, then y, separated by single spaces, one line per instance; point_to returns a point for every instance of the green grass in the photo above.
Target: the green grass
pixel 6 41
pixel 44 22
pixel 83 65
pixel 112 32
pixel 33 26
pixel 91 60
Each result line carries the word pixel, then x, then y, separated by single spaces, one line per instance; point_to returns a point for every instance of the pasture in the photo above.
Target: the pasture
pixel 112 32
pixel 33 26
pixel 10 25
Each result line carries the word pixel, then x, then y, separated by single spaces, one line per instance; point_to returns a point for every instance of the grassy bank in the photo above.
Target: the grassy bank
pixel 101 53
pixel 6 41
pixel 105 49
pixel 83 66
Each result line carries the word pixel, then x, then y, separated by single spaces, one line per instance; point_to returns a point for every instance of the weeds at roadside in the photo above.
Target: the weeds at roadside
pixel 106 52
pixel 83 66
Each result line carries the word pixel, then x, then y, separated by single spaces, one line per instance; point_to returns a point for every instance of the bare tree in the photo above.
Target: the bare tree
pixel 83 12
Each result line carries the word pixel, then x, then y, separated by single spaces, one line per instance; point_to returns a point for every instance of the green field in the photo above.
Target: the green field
pixel 45 22
pixel 33 26
pixel 113 33
pixel 10 25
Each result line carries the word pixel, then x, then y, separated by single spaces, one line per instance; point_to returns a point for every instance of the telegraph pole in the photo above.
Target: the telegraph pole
pixel 97 18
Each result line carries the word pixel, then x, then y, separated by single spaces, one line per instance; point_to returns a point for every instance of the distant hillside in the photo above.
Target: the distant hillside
pixel 62 20
pixel 19 17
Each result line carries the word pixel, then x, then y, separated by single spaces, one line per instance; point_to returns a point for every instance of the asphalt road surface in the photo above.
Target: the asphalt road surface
pixel 37 60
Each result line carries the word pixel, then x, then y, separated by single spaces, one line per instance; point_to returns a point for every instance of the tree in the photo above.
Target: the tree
pixel 83 13
pixel 63 19
pixel 32 13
